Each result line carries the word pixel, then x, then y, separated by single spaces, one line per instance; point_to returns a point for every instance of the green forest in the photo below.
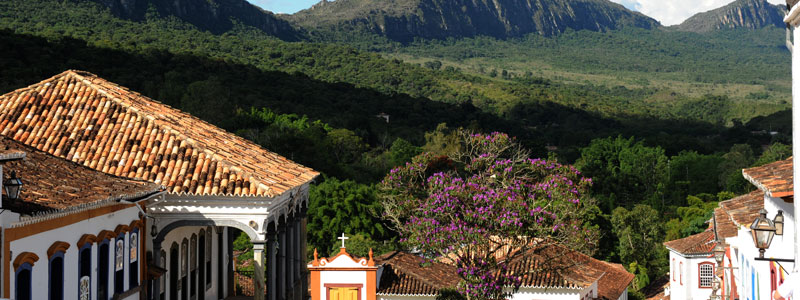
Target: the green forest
pixel 662 148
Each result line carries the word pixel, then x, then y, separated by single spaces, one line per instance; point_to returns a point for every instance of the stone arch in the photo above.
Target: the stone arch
pixel 202 223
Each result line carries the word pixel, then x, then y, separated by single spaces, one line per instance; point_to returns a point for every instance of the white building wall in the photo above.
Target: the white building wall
pixel 678 290
pixel 529 293
pixel 685 277
pixel 395 297
pixel 39 243
pixel 624 295
pixel 782 245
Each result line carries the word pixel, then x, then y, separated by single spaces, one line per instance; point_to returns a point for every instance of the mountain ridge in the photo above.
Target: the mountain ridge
pixel 405 20
pixel 216 16
pixel 751 14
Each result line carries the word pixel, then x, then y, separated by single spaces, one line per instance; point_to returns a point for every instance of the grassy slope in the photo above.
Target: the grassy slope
pixel 748 66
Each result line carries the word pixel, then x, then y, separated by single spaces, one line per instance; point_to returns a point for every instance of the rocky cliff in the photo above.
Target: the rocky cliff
pixel 213 15
pixel 404 20
pixel 752 14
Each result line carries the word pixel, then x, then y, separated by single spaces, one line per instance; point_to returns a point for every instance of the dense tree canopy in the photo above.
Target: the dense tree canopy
pixel 484 204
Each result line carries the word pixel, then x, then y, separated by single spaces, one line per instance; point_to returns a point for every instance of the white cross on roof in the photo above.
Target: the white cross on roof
pixel 343 238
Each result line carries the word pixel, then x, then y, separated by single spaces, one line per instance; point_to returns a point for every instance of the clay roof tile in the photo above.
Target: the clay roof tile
pixel 81 117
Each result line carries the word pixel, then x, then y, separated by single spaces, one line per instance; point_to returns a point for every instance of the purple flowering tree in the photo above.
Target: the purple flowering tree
pixel 484 206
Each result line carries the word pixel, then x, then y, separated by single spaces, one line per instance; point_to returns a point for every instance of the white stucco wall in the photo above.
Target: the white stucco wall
pixel 39 243
pixel 395 297
pixel 687 288
pixel 782 245
pixel 530 293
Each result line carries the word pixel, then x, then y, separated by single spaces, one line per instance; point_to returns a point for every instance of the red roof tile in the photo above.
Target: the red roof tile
pixel 575 269
pixel 698 244
pixel 742 210
pixel 83 118
pixel 53 184
pixel 404 274
pixel 726 228
pixel 774 179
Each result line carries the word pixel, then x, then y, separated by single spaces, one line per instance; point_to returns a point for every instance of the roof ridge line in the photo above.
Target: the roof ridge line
pixel 190 141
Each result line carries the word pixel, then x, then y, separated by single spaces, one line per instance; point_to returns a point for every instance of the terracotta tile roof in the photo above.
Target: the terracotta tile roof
pixel 726 228
pixel 568 271
pixel 615 281
pixel 403 274
pixel 743 209
pixel 698 244
pixel 774 179
pixel 572 269
pixel 80 117
pixel 53 184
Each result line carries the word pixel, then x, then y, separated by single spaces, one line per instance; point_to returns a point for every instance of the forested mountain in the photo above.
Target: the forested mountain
pixel 217 16
pixel 405 20
pixel 752 14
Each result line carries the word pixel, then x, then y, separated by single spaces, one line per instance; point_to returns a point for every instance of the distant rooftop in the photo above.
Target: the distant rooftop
pixel 54 184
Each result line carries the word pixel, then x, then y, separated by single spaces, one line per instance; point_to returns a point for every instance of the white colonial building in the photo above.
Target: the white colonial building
pixel 202 187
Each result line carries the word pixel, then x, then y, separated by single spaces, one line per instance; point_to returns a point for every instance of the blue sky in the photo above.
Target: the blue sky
pixel 284 6
pixel 668 12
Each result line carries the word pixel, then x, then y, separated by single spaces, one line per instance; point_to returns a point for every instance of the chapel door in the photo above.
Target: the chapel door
pixel 343 293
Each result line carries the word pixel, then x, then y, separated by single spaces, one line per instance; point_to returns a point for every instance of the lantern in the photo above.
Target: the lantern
pixel 778 223
pixel 763 230
pixel 13 186
pixel 719 253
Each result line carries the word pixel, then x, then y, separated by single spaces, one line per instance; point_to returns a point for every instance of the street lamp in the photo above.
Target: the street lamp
pixel 778 223
pixel 719 253
pixel 13 186
pixel 763 230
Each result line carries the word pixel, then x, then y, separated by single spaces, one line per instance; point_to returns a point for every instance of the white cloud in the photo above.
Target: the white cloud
pixel 671 12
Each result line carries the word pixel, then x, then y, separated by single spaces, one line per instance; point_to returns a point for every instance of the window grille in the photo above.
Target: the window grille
pixel 706 275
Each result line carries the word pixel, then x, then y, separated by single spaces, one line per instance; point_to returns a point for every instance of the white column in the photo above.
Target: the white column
pixel 282 261
pixel 290 240
pixel 299 258
pixel 796 141
pixel 272 289
pixel 258 270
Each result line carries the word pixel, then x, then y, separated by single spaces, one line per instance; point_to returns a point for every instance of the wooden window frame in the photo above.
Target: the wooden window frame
pixel 328 287
pixel 699 278
pixel 681 271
